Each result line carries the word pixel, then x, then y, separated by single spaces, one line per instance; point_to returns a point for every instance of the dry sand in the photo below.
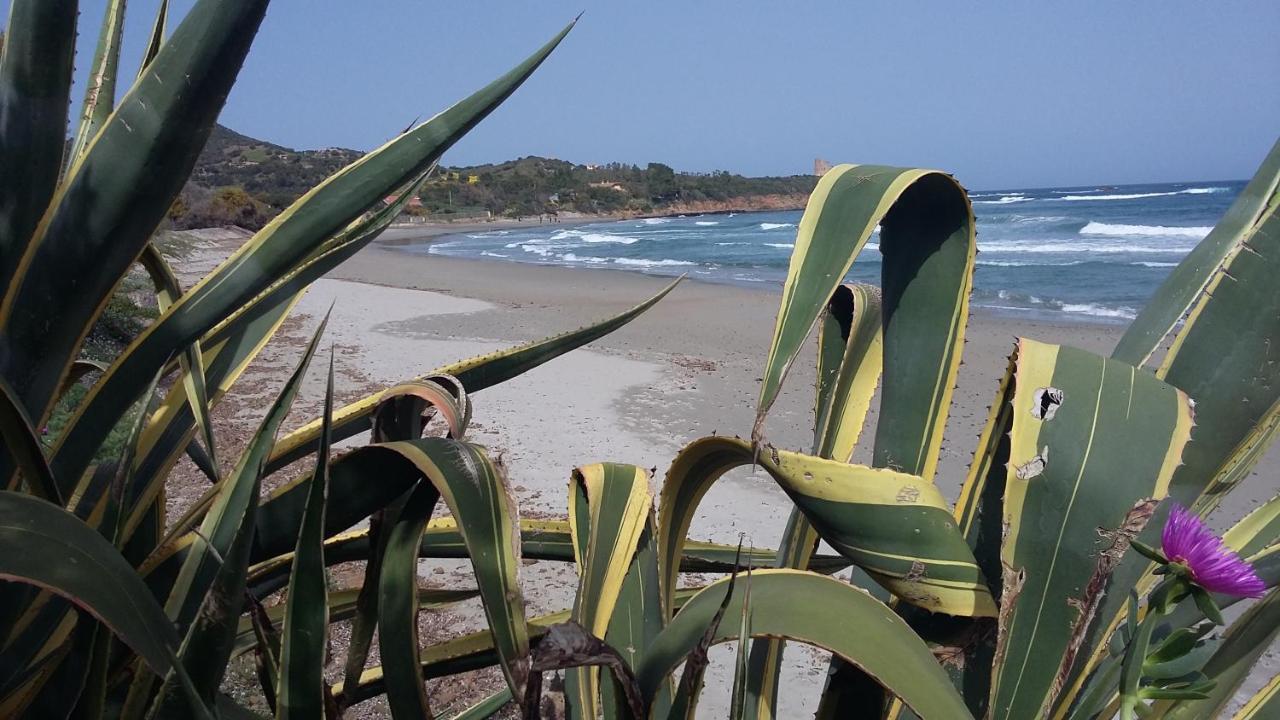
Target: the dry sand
pixel 687 368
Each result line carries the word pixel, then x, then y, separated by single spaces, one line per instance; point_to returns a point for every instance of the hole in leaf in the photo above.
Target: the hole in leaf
pixel 1045 403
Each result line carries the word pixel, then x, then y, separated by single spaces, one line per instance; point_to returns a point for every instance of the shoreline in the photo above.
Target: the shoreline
pixel 429 234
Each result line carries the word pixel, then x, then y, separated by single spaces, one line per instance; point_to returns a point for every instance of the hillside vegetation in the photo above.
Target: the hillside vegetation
pixel 243 181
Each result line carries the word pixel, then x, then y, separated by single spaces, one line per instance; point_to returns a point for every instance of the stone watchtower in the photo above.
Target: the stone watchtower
pixel 820 167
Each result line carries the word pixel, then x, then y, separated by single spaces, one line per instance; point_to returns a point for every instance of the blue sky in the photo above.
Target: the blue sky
pixel 1003 94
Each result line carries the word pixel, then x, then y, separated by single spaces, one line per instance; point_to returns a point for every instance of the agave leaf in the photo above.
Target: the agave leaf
pixel 487 707
pixel 476 374
pixel 610 509
pixel 398 605
pixel 1256 531
pixel 895 526
pixel 265 642
pixel 209 642
pixel 194 380
pixel 289 240
pixel 100 89
pixel 1221 357
pixel 1093 444
pixel 115 194
pixel 46 546
pixel 927 240
pixel 342 606
pixel 23 445
pixel 156 39
pixel 35 86
pixel 928 246
pixel 171 427
pixel 1187 283
pixel 301 692
pixel 476 494
pixel 468 652
pixel 870 636
pixel 1099 690
pixel 228 529
pixel 79 369
pixel 366 603
pixel 1243 644
pixel 1264 704
pixel 428 396
pixel 238 492
pixel 539 540
pixel 850 358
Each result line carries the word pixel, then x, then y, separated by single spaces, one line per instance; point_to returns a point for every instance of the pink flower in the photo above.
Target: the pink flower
pixel 1211 565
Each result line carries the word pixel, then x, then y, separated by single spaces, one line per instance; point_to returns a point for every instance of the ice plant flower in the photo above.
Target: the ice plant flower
pixel 1208 562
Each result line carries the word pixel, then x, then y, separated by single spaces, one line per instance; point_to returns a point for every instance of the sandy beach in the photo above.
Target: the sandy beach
pixel 688 367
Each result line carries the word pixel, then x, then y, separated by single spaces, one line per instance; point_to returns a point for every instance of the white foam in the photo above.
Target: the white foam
pixel 1099 310
pixel 731 243
pixel 1014 263
pixel 655 221
pixel 607 238
pixel 1107 229
pixel 1139 196
pixel 570 257
pixel 1155 264
pixel 1007 199
pixel 1076 247
pixel 706 222
pixel 775 226
pixel 784 246
pixel 641 262
pixel 486 253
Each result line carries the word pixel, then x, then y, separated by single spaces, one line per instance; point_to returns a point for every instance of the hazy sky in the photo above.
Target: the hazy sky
pixel 1001 94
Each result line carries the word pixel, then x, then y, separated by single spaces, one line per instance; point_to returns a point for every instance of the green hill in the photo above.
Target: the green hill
pixel 245 181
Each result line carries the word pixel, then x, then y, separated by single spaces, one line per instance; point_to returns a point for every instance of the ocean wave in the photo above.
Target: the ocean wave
pixel 570 257
pixel 1015 263
pixel 1107 229
pixel 1007 199
pixel 539 249
pixel 732 243
pixel 436 247
pixel 584 236
pixel 1155 264
pixel 706 223
pixel 775 226
pixel 1139 196
pixel 1033 303
pixel 607 238
pixel 783 246
pixel 655 221
pixel 1074 192
pixel 1099 310
pixel 1080 247
pixel 641 262
pixel 1037 219
pixel 486 253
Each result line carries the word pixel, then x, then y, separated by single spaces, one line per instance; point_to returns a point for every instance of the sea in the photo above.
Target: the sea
pixel 1091 254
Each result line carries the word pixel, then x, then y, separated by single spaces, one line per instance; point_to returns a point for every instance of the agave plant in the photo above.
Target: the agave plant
pixel 1020 601
pixel 996 607
pixel 110 608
